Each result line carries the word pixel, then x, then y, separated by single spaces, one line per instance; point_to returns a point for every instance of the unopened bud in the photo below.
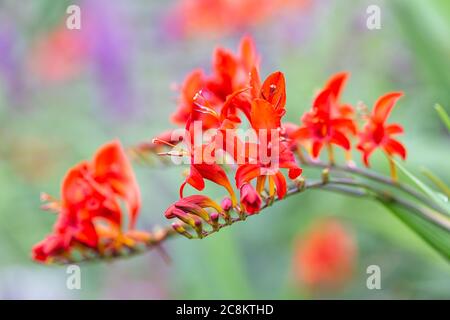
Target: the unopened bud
pixel 181 230
pixel 300 183
pixel 215 220
pixel 325 175
pixel 226 204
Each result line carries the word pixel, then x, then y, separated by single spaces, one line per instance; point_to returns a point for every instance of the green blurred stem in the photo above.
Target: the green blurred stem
pixel 371 175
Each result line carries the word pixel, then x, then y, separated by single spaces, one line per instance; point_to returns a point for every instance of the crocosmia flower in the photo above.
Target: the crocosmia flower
pixel 90 207
pixel 231 73
pixel 322 128
pixel 265 117
pixel 376 134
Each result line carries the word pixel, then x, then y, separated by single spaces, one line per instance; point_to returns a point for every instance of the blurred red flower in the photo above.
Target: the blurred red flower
pixel 59 55
pixel 324 257
pixel 193 17
pixel 90 204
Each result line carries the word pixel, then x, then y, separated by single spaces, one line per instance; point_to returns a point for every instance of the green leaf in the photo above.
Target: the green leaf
pixel 434 196
pixel 436 237
pixel 437 182
pixel 443 115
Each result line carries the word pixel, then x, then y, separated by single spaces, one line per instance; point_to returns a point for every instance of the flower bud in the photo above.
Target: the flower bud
pixel 250 199
pixel 181 230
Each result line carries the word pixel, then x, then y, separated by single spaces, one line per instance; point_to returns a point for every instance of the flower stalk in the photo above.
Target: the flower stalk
pixel 347 186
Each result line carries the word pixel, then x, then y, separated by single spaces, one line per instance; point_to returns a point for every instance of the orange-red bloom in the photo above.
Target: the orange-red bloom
pixel 90 203
pixel 231 73
pixel 324 257
pixel 322 128
pixel 377 134
pixel 266 113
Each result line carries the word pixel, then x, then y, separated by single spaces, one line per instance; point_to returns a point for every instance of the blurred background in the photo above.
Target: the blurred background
pixel 64 93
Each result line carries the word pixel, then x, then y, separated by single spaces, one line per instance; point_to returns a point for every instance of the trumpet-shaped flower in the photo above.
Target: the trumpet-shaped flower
pixel 376 134
pixel 90 196
pixel 321 128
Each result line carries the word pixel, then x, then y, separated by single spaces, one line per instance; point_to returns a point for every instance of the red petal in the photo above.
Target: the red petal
pixel 74 189
pixel 195 179
pixel 247 172
pixel 113 168
pixel 393 129
pixel 302 133
pixel 193 83
pixel 322 102
pixel 255 83
pixel 248 53
pixel 264 116
pixel 343 123
pixel 294 172
pixel 230 102
pixel 87 234
pixel 224 63
pixel 366 152
pixel 336 83
pixel 384 105
pixel 280 183
pixel 317 146
pixel 340 139
pixel 392 146
pixel 215 173
pixel 274 90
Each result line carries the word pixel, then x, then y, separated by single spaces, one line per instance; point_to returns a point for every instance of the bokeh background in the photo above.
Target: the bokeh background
pixel 64 93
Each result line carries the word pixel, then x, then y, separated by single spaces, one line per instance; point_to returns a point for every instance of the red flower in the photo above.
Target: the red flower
pixel 90 194
pixel 250 199
pixel 231 73
pixel 321 128
pixel 377 134
pixel 324 257
pixel 266 114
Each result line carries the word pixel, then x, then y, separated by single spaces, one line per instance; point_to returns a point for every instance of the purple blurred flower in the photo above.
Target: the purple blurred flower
pixel 109 45
pixel 10 66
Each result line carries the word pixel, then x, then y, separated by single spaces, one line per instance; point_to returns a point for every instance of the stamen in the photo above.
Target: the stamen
pixel 176 153
pixel 157 140
pixel 204 107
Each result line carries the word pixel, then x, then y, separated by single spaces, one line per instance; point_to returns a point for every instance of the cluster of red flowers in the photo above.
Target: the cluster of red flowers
pixel 331 122
pixel 231 97
pixel 89 212
pixel 233 94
